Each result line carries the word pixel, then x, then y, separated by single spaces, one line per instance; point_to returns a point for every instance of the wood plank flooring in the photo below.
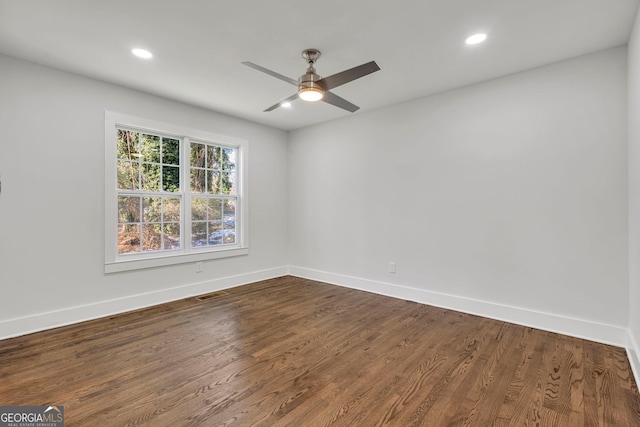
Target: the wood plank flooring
pixel 293 352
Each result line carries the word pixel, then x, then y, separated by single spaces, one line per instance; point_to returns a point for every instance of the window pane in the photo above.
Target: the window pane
pixel 229 208
pixel 228 159
pixel 215 209
pixel 198 155
pixel 171 179
pixel 150 177
pixel 214 182
pixel 171 209
pixel 199 234
pixel 171 236
pixel 228 185
pixel 198 180
pixel 198 209
pixel 215 232
pixel 213 157
pixel 150 148
pixel 128 238
pixel 230 224
pixel 128 145
pixel 128 209
pixel 151 234
pixel 151 209
pixel 128 175
pixel 229 236
pixel 170 151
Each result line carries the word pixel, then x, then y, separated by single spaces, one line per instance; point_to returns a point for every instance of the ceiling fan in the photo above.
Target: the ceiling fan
pixel 312 87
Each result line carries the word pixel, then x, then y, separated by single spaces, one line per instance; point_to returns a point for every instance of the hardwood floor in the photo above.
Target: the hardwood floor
pixel 291 351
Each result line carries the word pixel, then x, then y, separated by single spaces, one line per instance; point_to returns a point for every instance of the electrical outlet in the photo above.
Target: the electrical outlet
pixel 392 267
pixel 199 267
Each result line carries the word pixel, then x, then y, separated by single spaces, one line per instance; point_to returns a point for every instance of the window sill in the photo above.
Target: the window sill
pixel 138 264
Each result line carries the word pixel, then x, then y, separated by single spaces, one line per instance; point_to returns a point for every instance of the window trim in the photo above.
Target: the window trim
pixel 112 262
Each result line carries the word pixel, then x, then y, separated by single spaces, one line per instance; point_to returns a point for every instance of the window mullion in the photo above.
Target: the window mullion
pixel 185 183
pixel 141 222
pixel 139 160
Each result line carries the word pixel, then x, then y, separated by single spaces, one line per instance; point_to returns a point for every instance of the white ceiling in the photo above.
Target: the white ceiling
pixel 199 45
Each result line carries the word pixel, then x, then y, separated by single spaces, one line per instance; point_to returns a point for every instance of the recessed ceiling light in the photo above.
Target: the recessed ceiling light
pixel 476 38
pixel 142 53
pixel 286 104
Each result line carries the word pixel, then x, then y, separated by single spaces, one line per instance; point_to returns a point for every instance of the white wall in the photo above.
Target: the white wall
pixel 52 201
pixel 505 198
pixel 634 196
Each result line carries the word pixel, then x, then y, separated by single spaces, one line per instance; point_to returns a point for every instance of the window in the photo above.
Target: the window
pixel 148 176
pixel 213 194
pixel 173 194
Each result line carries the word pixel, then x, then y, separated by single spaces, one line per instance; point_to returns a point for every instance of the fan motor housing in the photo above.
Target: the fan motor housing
pixel 309 80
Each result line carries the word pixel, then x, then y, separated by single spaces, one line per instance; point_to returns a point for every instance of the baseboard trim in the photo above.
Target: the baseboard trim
pixel 42 321
pixel 584 329
pixel 633 352
pixel 607 334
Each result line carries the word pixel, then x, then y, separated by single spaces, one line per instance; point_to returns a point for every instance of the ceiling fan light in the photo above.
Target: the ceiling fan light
pixel 310 94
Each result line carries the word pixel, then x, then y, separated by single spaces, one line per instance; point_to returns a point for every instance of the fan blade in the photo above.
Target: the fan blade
pixel 289 99
pixel 271 73
pixel 346 76
pixel 333 99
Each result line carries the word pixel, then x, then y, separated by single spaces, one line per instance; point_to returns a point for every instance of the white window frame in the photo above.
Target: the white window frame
pixel 115 262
